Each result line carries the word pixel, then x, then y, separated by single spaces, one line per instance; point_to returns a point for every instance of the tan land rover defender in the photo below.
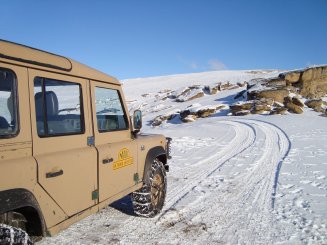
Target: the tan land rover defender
pixel 68 147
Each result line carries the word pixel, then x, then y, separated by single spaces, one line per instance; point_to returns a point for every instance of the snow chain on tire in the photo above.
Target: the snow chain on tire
pixel 149 200
pixel 13 236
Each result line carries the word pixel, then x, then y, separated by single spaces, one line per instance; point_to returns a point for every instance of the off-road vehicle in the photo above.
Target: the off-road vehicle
pixel 68 147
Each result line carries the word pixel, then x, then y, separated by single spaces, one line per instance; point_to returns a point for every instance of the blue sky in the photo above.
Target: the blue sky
pixel 141 38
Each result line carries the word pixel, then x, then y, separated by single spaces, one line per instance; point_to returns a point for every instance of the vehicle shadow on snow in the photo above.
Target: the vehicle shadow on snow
pixel 124 205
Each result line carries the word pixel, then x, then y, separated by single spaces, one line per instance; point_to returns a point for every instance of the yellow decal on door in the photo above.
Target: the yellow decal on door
pixel 124 159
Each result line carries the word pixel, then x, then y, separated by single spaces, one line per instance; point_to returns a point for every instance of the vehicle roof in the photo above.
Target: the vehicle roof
pixel 35 58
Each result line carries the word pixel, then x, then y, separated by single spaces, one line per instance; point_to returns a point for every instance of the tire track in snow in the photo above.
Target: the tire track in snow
pixel 246 206
pixel 244 138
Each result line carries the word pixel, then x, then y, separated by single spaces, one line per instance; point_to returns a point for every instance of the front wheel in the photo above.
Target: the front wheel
pixel 13 236
pixel 149 200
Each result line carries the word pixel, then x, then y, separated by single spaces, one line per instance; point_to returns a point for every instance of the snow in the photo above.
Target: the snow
pixel 256 179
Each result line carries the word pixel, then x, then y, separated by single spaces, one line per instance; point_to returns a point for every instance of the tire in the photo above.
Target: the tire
pixel 149 200
pixel 15 236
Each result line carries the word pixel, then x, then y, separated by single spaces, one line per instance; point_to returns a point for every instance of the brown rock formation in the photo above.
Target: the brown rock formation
pixel 275 94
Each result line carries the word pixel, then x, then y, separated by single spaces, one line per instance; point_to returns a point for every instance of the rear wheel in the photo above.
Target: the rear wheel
pixel 149 200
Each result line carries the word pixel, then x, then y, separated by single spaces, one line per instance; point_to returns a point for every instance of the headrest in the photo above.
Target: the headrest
pixel 51 102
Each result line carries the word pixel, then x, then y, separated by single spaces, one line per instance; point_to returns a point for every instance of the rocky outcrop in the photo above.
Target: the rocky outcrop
pixel 297 101
pixel 307 83
pixel 237 107
pixel 275 94
pixel 278 110
pixel 314 103
pixel 267 106
pixel 310 82
pixel 263 106
pixel 160 119
pixel 317 105
pixel 190 114
pixel 292 77
pixel 294 105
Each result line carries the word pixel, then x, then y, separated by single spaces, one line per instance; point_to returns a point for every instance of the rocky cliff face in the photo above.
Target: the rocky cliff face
pixel 310 83
pixel 290 89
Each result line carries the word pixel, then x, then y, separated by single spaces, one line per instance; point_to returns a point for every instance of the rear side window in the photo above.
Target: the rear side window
pixel 58 107
pixel 8 104
pixel 109 110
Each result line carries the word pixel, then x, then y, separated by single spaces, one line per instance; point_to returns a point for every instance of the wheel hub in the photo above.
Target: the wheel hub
pixel 156 189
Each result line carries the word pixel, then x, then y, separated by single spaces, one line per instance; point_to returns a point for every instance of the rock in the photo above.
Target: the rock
pixel 314 82
pixel 198 95
pixel 262 107
pixel 315 104
pixel 278 105
pixel 267 101
pixel 160 119
pixel 242 84
pixel 190 93
pixel 297 101
pixel 240 107
pixel 228 86
pixel 275 94
pixel 287 100
pixel 294 108
pixel 292 77
pixel 276 82
pixel 225 86
pixel 307 75
pixel 195 111
pixel 278 110
pixel 214 90
pixel 219 107
pixel 207 90
pixel 205 112
pixel 189 118
pixel 256 111
pixel 184 113
pixel 242 113
pixel 256 82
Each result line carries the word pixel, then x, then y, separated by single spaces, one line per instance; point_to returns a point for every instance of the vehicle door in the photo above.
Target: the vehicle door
pixel 61 129
pixel 116 148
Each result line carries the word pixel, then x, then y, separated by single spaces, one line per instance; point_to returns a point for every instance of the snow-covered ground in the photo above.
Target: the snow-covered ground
pixel 256 179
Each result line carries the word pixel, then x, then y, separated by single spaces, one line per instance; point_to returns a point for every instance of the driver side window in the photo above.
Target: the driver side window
pixel 109 110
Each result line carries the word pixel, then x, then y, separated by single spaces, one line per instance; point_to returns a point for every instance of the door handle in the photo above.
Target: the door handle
pixel 107 160
pixel 54 174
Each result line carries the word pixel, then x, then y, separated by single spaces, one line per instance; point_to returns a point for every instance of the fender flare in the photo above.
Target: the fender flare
pixel 20 198
pixel 155 152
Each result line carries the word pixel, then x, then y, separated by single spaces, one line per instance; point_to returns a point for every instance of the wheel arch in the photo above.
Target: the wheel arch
pixel 24 202
pixel 155 152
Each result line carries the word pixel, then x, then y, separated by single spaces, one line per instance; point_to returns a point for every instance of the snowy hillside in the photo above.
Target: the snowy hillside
pixel 256 179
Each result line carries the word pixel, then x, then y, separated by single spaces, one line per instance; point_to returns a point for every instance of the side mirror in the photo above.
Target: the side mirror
pixel 137 121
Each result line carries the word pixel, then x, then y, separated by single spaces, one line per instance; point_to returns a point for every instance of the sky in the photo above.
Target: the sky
pixel 142 38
